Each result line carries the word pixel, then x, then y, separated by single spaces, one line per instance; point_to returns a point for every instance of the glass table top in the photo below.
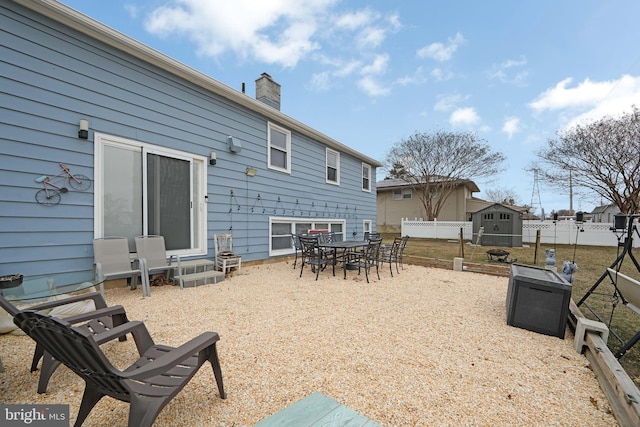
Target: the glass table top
pixel 42 287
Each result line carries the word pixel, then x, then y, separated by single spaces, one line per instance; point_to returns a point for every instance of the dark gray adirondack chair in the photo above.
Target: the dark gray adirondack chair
pixel 95 322
pixel 148 384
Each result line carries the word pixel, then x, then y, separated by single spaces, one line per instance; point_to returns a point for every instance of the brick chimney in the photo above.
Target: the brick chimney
pixel 268 91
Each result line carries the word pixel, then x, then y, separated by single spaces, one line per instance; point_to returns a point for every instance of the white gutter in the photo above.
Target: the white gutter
pixel 72 18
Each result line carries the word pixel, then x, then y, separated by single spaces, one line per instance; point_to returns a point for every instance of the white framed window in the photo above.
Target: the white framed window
pixel 366 177
pixel 366 226
pixel 281 229
pixel 333 167
pixel 279 146
pixel 142 189
pixel 402 193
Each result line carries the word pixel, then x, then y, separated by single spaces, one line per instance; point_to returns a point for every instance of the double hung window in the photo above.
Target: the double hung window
pixel 366 177
pixel 333 167
pixel 279 142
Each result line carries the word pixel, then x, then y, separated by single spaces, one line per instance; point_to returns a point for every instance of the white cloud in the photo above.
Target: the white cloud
pixel 132 10
pixel 511 126
pixel 372 87
pixel 369 83
pixel 589 100
pixel 286 32
pixel 320 81
pixel 441 52
pixel 441 75
pixel 273 32
pixel 510 71
pixel 356 20
pixel 464 116
pixel 347 69
pixel 378 66
pixel 417 77
pixel 394 21
pixel 449 102
pixel 371 37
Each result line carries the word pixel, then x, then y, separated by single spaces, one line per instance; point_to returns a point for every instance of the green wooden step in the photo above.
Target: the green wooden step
pixel 317 410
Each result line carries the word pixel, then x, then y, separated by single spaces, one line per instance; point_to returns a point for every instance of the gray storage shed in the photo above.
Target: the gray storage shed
pixel 502 226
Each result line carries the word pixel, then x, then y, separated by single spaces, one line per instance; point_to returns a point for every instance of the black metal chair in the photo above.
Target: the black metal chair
pixel 390 255
pixel 148 384
pixel 367 258
pixel 95 322
pixel 297 247
pixel 368 235
pixel 401 249
pixel 330 254
pixel 312 255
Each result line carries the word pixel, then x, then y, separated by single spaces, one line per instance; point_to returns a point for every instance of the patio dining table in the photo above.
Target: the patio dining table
pixel 345 246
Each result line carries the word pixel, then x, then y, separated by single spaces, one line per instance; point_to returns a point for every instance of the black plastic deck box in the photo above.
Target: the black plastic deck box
pixel 538 300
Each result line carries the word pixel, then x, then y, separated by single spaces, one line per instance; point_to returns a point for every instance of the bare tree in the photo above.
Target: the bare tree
pixel 602 156
pixel 504 196
pixel 436 163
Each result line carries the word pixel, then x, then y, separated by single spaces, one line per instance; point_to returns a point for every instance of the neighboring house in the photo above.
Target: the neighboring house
pixel 604 213
pixel 170 150
pixel 398 199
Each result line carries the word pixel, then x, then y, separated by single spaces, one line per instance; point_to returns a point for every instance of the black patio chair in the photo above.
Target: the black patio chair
pixel 148 384
pixel 297 247
pixel 401 249
pixel 390 255
pixel 312 255
pixel 368 235
pixel 95 322
pixel 367 258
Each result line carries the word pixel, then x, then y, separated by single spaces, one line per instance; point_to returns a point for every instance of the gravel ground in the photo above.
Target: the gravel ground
pixel 425 347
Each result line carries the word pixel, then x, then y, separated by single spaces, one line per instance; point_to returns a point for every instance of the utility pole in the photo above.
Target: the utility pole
pixel 570 193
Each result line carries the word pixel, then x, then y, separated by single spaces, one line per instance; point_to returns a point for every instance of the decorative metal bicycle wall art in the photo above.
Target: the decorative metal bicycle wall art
pixel 53 187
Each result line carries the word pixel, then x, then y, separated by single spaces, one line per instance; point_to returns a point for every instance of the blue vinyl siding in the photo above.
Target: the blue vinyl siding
pixel 52 76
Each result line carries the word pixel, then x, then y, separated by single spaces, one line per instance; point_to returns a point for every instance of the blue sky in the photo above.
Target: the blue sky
pixel 372 73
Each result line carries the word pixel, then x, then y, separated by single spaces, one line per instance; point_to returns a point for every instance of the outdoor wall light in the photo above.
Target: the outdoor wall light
pixel 212 160
pixel 251 171
pixel 83 132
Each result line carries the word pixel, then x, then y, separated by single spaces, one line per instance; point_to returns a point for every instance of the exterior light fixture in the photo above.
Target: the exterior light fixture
pixel 83 132
pixel 251 171
pixel 212 160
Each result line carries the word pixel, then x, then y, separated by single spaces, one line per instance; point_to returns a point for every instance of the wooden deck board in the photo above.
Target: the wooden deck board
pixel 317 410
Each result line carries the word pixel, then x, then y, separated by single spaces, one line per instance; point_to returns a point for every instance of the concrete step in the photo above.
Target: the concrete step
pixel 201 278
pixel 196 264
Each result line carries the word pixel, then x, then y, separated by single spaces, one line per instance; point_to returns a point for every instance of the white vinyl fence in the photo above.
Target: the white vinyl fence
pixel 564 232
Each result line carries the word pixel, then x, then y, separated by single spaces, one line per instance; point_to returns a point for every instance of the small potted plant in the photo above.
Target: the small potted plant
pixel 10 281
